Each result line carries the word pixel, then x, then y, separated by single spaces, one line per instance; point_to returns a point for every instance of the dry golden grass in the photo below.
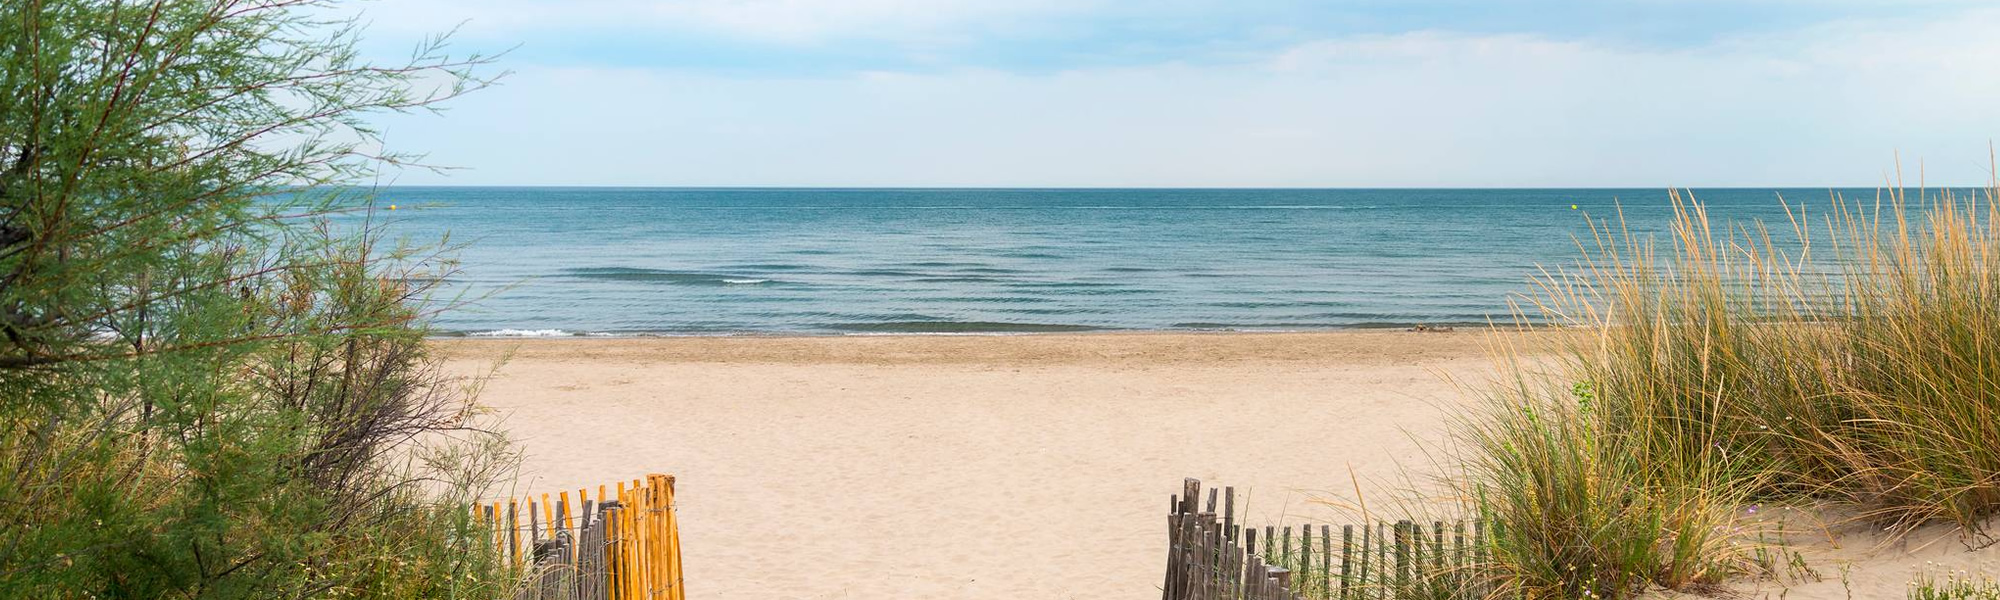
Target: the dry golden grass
pixel 1853 360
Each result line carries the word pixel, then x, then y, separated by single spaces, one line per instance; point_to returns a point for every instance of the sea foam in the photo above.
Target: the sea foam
pixel 522 333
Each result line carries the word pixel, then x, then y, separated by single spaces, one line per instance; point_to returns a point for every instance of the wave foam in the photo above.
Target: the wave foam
pixel 522 333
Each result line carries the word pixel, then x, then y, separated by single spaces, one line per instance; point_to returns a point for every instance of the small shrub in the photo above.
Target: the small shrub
pixel 1954 585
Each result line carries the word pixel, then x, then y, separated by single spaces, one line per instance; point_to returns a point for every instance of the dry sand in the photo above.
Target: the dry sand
pixel 1014 466
pixel 965 466
pixel 1851 561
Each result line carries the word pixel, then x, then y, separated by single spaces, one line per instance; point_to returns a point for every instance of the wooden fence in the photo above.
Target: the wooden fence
pixel 625 545
pixel 1211 556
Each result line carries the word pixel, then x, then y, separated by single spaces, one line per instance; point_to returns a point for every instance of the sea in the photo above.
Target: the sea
pixel 583 261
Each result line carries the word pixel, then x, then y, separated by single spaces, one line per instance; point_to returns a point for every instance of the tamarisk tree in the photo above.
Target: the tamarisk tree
pixel 212 374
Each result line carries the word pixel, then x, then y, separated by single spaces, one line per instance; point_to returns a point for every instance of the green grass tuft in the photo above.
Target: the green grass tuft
pixel 1852 359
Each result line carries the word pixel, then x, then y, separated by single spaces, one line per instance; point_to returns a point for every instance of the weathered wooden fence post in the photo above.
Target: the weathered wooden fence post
pixel 1305 578
pixel 1346 561
pixel 1323 578
pixel 1403 556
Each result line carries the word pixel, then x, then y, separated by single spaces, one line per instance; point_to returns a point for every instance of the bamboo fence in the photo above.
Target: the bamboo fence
pixel 624 545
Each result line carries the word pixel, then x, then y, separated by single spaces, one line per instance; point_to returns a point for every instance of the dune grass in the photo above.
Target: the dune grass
pixel 1850 358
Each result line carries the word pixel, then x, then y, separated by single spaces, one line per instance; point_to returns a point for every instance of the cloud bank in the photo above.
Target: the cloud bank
pixel 1818 104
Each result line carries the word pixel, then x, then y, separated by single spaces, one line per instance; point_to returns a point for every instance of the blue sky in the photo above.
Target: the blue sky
pixel 1358 93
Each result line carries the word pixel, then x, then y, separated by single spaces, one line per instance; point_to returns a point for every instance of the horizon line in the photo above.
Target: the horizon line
pixel 1984 186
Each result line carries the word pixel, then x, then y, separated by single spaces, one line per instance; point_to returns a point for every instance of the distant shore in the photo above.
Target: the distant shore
pixel 968 466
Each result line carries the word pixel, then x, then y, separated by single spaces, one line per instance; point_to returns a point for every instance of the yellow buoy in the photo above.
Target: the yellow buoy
pixel 393 207
pixel 1571 207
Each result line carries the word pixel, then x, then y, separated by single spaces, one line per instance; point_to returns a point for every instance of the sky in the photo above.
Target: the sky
pixel 1207 93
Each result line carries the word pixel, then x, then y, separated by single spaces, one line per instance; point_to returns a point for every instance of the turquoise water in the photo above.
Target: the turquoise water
pixel 575 261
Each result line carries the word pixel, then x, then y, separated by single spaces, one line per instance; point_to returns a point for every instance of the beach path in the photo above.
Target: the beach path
pixel 966 466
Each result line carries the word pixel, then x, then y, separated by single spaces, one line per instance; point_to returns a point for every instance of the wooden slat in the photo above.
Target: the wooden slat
pixel 1382 546
pixel 566 513
pixel 1229 513
pixel 513 534
pixel 614 564
pixel 1211 551
pixel 1437 548
pixel 1200 555
pixel 548 516
pixel 1403 563
pixel 1285 555
pixel 1326 559
pixel 1270 542
pixel 589 553
pixel 1367 571
pixel 534 527
pixel 1170 587
pixel 1305 565
pixel 1346 562
pixel 673 532
pixel 1232 569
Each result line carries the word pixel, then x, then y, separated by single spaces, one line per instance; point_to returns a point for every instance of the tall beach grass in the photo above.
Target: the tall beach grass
pixel 1848 358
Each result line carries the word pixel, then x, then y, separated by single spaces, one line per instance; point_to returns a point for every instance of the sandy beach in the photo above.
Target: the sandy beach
pixel 966 466
pixel 1032 466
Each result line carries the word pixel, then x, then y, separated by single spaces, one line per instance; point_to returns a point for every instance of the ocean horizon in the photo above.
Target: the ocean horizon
pixel 628 261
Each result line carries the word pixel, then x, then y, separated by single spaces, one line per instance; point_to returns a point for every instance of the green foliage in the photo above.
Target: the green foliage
pixel 1954 585
pixel 1586 515
pixel 207 389
pixel 1854 361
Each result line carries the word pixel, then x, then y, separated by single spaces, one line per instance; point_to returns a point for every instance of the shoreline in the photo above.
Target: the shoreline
pixel 1347 346
pixel 1032 330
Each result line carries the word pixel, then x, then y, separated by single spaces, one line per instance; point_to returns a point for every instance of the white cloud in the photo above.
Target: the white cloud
pixel 1819 106
pixel 1423 47
pixel 787 21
